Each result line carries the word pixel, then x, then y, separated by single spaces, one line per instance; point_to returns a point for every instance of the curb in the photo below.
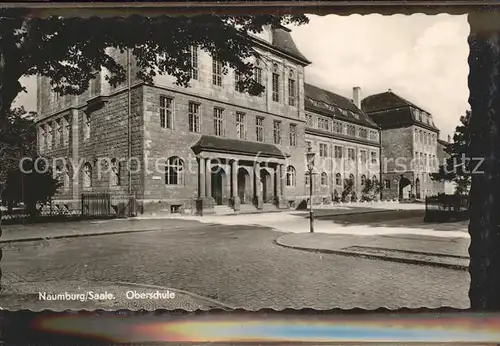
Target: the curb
pixel 192 295
pixel 375 257
pixel 76 236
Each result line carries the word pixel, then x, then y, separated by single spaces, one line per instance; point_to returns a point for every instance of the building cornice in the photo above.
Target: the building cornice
pixel 323 133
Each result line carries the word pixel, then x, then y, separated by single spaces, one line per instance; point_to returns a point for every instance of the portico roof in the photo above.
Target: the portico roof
pixel 237 146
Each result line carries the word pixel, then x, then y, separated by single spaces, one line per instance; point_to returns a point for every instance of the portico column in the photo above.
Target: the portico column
pixel 208 178
pixel 234 180
pixel 201 177
pixel 258 185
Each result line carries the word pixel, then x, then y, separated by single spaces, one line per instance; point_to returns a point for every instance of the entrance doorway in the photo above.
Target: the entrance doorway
pixel 218 184
pixel 266 186
pixel 243 184
pixel 404 188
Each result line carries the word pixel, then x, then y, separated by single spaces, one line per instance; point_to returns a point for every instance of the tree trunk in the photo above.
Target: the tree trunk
pixel 484 226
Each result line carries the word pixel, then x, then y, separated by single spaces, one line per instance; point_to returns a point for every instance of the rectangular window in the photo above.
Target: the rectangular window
pixel 216 72
pixel 307 179
pixel 58 133
pixel 259 128
pixel 387 184
pixel 363 133
pixel 292 94
pixel 86 126
pixel 351 155
pixel 373 156
pixel 237 79
pixel 293 135
pixel 95 84
pixel 166 112
pixel 323 150
pixel 351 130
pixel 324 124
pixel 337 127
pixel 363 155
pixel 194 117
pixel 49 136
pixel 218 122
pixel 277 131
pixel 258 75
pixel 193 60
pixel 309 120
pixel 338 152
pixel 43 137
pixel 241 131
pixel 276 87
pixel 66 130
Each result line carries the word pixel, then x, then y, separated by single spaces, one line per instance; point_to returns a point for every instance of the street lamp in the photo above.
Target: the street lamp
pixel 310 156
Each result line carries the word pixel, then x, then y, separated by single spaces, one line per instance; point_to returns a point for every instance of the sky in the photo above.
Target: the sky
pixel 420 57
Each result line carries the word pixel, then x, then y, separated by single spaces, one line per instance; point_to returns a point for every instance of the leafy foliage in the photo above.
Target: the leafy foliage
pixel 458 166
pixel 17 138
pixel 68 50
pixel 348 190
pixel 370 190
pixel 32 185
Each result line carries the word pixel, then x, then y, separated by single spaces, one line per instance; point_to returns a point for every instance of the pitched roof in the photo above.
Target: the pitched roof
pixel 283 41
pixel 384 101
pixel 236 146
pixel 390 110
pixel 330 104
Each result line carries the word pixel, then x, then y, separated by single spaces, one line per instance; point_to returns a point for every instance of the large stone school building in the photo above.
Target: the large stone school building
pixel 209 146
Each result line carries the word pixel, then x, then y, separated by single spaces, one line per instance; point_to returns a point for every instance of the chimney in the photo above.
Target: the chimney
pixel 356 96
pixel 389 90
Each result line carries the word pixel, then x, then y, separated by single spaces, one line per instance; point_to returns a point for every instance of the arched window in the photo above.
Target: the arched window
pixel 115 173
pixel 324 179
pixel 87 175
pixel 291 74
pixel 174 171
pixel 338 179
pixel 351 178
pixel 374 179
pixel 363 179
pixel 290 176
pixel 275 67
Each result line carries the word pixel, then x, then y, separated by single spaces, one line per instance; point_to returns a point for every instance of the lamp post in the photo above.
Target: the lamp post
pixel 310 156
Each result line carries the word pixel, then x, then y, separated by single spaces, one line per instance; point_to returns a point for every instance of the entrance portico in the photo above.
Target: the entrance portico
pixel 234 172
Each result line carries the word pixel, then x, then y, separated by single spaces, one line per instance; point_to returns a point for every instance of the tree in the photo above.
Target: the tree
pixel 348 189
pixel 69 50
pixel 458 166
pixel 370 189
pixel 484 129
pixel 31 183
pixel 17 138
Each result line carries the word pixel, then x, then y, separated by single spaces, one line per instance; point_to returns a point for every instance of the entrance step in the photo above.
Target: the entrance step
pixel 269 207
pixel 223 210
pixel 247 208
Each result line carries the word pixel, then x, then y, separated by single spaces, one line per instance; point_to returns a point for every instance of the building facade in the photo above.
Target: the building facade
pixel 177 148
pixel 346 141
pixel 409 146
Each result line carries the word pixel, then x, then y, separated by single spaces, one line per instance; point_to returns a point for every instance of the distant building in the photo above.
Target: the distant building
pixel 409 146
pixel 345 139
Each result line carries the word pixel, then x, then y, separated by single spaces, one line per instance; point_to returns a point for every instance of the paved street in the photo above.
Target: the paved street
pixel 237 265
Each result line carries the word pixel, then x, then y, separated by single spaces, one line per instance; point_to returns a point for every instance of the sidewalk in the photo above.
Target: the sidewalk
pixel 451 252
pixel 47 231
pixel 99 295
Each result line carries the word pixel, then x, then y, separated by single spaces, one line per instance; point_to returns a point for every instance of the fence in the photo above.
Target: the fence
pixel 446 208
pixel 90 206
